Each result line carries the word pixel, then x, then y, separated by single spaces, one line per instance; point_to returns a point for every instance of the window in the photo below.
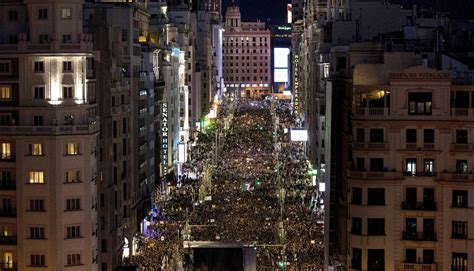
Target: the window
pixel 67 66
pixel 5 67
pixel 6 151
pixel 428 256
pixel 459 230
pixel 36 205
pixel 74 259
pixel 5 120
pixel 38 120
pixel 36 149
pixel 428 136
pixel 42 14
pixel 376 135
pixel 420 103
pixel 67 38
pixel 376 164
pixel 37 260
pixel 360 135
pixel 461 136
pixel 13 39
pixel 375 260
pixel 39 92
pixel 73 204
pixel 6 179
pixel 376 226
pixel 72 176
pixel 459 262
pixel 36 177
pixel 66 13
pixel 410 166
pixel 411 136
pixel 5 93
pixel 72 148
pixel 39 66
pixel 376 196
pixel 43 38
pixel 12 15
pixel 67 92
pixel 37 232
pixel 357 195
pixel 410 255
pixel 460 198
pixel 461 166
pixel 356 225
pixel 360 164
pixel 428 165
pixel 356 261
pixel 73 232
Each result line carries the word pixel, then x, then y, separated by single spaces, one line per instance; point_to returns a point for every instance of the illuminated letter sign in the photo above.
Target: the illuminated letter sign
pixel 164 135
pixel 296 87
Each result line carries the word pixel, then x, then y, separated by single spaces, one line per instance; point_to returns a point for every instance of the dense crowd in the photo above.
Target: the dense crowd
pixel 259 188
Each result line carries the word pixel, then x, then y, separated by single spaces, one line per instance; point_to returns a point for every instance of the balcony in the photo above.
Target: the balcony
pixel 383 146
pixel 8 212
pixel 461 112
pixel 82 46
pixel 419 236
pixel 417 267
pixel 7 157
pixel 424 147
pixel 8 266
pixel 372 112
pixel 50 130
pixel 420 174
pixel 456 147
pixel 363 175
pixel 7 240
pixel 7 185
pixel 455 177
pixel 418 206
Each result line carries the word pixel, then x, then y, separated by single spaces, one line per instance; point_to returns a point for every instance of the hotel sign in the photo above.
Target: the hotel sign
pixel 164 136
pixel 420 75
pixel 296 87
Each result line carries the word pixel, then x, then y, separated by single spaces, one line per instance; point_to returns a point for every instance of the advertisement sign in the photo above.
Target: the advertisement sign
pixel 299 135
pixel 164 136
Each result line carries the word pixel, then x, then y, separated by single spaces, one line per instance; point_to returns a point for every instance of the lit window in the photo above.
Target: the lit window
pixel 6 151
pixel 36 149
pixel 72 148
pixel 66 13
pixel 5 93
pixel 72 176
pixel 36 177
pixel 74 259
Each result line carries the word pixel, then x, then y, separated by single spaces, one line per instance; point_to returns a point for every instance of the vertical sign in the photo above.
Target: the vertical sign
pixel 164 136
pixel 296 87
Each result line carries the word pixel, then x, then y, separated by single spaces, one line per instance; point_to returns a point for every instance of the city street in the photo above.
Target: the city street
pixel 254 186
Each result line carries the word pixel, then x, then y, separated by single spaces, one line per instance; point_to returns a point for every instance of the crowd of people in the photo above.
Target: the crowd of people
pixel 253 185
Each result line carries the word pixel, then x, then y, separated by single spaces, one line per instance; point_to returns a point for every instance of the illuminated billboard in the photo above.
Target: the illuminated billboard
pixel 281 65
pixel 298 135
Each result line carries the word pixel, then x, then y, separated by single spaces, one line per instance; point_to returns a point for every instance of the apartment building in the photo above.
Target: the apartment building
pixel 48 135
pixel 410 181
pixel 246 55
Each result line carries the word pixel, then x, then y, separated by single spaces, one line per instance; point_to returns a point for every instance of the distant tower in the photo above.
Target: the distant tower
pixel 232 16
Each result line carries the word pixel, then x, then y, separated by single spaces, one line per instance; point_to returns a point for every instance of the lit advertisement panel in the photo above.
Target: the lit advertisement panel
pixel 280 75
pixel 281 57
pixel 298 135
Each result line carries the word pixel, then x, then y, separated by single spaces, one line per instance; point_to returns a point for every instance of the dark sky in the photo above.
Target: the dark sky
pixel 275 10
pixel 251 10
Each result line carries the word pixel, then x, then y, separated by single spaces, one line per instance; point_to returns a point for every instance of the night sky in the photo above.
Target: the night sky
pixel 275 10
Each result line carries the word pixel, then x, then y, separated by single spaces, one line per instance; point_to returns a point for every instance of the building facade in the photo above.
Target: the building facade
pixel 246 55
pixel 49 135
pixel 409 180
